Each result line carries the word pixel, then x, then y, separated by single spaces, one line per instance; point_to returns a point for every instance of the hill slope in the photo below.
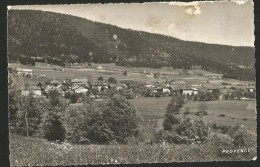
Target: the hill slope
pixel 72 39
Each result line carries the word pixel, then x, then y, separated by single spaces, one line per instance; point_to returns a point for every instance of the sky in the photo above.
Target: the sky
pixel 227 23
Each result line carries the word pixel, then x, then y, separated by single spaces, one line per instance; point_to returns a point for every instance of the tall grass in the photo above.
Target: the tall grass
pixel 39 152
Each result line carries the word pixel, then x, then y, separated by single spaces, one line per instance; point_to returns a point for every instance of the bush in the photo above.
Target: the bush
pixel 165 136
pixel 201 113
pixel 127 93
pixel 194 131
pixel 74 98
pixel 175 104
pixel 225 129
pixel 220 139
pixel 112 80
pixel 242 137
pixel 222 115
pixel 170 121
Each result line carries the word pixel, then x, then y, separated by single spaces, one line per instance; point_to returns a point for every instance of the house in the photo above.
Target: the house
pixel 189 72
pixel 25 92
pixel 79 81
pixel 195 91
pixel 35 91
pixel 150 76
pixel 24 72
pixel 99 67
pixel 75 65
pixel 186 91
pixel 81 90
pixel 75 87
pixel 189 91
pixel 250 89
pixel 99 85
pixel 166 90
pixel 149 86
pixel 121 86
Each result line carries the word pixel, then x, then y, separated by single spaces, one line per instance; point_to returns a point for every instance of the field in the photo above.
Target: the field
pixel 39 152
pixel 112 70
pixel 150 107
pixel 235 111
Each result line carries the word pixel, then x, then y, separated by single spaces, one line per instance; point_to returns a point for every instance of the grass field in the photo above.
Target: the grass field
pixel 150 107
pixel 112 70
pixel 235 111
pixel 39 152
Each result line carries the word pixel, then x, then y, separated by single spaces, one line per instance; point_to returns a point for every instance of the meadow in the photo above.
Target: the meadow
pixel 39 152
pixel 227 112
pixel 222 112
pixel 112 70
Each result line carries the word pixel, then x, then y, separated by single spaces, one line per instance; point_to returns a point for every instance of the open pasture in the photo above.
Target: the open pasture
pixel 112 70
pixel 234 111
pixel 150 107
pixel 226 112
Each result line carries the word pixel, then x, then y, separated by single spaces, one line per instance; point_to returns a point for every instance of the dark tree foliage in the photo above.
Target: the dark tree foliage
pixel 175 104
pixel 112 80
pixel 54 98
pixel 114 122
pixel 52 127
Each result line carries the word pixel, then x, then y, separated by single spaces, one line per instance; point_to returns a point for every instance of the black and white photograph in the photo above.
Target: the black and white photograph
pixel 131 83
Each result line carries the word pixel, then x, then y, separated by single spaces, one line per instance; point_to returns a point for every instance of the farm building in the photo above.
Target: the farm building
pixel 35 91
pixel 81 90
pixel 24 72
pixel 79 82
pixel 99 67
pixel 189 91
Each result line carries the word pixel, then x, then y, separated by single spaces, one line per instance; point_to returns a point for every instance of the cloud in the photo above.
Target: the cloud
pixel 195 10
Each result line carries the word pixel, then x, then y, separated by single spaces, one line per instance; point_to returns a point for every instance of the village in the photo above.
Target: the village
pixel 150 84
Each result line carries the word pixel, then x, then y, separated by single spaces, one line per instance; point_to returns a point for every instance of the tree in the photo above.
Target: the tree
pixel 175 104
pixel 14 95
pixel 125 72
pixel 112 80
pixel 169 121
pixel 52 127
pixel 121 117
pixel 238 94
pixel 216 93
pixel 54 98
pixel 74 98
pixel 192 131
pixel 100 78
pixel 114 122
pixel 127 93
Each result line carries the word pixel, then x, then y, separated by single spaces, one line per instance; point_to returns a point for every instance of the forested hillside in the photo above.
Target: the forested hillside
pixel 63 38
